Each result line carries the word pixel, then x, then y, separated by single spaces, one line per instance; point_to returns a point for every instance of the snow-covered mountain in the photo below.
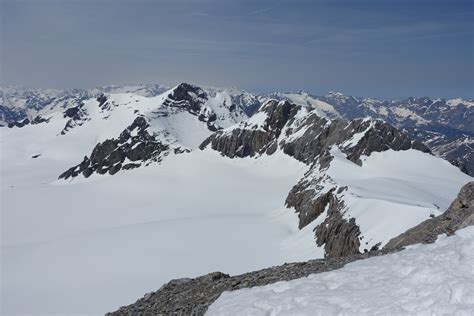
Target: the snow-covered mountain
pixel 353 167
pixel 19 103
pixel 445 126
pixel 123 191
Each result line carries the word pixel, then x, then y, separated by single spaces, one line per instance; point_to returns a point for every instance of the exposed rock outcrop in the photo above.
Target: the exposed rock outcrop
pixel 339 236
pixel 77 116
pixel 192 99
pixel 19 124
pixel 194 296
pixel 301 133
pixel 37 120
pixel 459 215
pixel 307 137
pixel 252 139
pixel 134 147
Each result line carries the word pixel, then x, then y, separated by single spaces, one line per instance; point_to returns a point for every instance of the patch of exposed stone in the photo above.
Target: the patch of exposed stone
pixel 339 236
pixel 319 135
pixel 134 147
pixel 379 136
pixel 19 124
pixel 309 139
pixel 460 214
pixel 194 296
pixel 307 205
pixel 76 115
pixel 191 99
pixel 245 141
pixel 37 120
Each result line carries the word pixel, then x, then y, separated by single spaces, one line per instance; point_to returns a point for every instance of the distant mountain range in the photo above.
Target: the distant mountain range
pixel 129 187
pixel 445 126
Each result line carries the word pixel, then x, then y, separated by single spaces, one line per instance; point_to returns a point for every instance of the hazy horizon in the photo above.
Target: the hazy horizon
pixel 241 89
pixel 383 49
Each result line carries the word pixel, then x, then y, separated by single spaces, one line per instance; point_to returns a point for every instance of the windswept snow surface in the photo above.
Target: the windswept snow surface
pixel 436 279
pixel 87 246
pixel 394 190
pixel 92 245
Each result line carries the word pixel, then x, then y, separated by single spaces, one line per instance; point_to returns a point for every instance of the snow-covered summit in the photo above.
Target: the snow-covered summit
pixel 119 125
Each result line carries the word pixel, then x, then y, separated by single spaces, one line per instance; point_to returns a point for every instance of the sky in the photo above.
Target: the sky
pixel 374 48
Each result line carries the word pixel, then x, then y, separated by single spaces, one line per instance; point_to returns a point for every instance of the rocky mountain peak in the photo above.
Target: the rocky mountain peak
pixel 301 133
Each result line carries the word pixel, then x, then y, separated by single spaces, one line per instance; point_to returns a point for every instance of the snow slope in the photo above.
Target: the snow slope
pixel 368 199
pixel 392 191
pixel 66 245
pixel 88 246
pixel 423 280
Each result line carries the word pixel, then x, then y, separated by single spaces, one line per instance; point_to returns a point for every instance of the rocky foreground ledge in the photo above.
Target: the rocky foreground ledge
pixel 194 296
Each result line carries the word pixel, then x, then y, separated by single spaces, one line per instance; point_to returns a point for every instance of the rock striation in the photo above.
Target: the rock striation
pixel 460 214
pixel 310 138
pixel 252 139
pixel 133 147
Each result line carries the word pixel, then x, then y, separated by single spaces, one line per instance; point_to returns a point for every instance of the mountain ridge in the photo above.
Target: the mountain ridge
pixel 444 125
pixel 151 180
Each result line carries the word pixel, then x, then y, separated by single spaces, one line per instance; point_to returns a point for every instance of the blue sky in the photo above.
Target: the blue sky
pixel 368 48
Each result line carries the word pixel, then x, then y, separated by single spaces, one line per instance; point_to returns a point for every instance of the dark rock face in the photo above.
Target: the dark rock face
pixel 102 99
pixel 459 215
pixel 339 236
pixel 77 116
pixel 301 198
pixel 309 139
pixel 11 115
pixel 194 296
pixel 71 112
pixel 109 156
pixel 240 143
pixel 247 141
pixel 380 137
pixel 187 97
pixel 447 130
pixel 19 124
pixel 39 119
pixel 318 136
pixel 457 149
pixel 310 198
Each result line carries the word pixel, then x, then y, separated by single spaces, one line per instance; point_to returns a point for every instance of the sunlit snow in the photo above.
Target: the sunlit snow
pixel 435 279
